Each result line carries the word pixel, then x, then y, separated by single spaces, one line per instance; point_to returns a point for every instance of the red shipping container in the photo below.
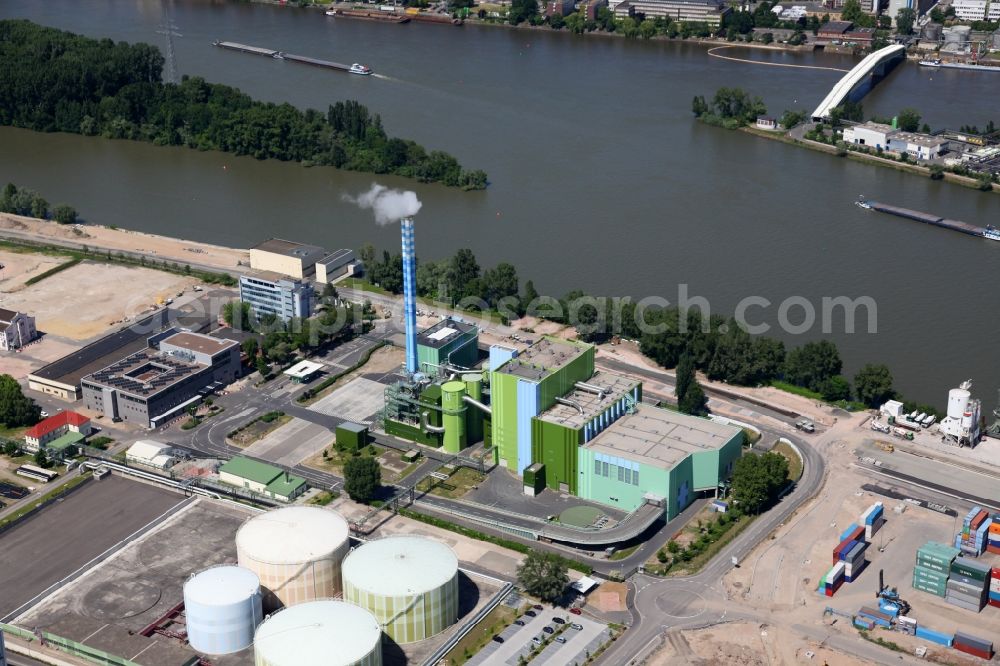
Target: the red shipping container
pixel 977 521
pixel 968 649
pixel 994 603
pixel 857 535
pixel 841 548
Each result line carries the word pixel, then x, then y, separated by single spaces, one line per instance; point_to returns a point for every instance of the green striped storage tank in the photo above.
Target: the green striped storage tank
pixel 474 416
pixel 453 418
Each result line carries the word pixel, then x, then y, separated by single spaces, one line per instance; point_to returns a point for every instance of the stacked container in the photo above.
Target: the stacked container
pixel 978 647
pixel 993 536
pixel 854 532
pixel 994 593
pixel 854 561
pixel 934 636
pixel 880 618
pixel 968 584
pixel 972 539
pixel 834 579
pixel 872 519
pixel 933 567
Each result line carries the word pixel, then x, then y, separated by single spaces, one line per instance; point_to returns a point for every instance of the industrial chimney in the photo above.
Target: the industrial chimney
pixel 409 293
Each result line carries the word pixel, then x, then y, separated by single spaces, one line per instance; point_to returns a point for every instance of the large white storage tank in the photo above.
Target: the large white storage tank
pixel 296 552
pixel 319 633
pixel 409 583
pixel 958 401
pixel 222 606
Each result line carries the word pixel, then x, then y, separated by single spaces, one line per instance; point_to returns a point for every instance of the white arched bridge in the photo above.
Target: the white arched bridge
pixel 860 79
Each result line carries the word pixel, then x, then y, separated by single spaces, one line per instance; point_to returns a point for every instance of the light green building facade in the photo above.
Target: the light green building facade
pixel 658 454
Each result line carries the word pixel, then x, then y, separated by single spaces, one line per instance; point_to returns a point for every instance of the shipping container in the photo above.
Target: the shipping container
pixel 966 567
pixel 876 616
pixel 972 606
pixel 935 636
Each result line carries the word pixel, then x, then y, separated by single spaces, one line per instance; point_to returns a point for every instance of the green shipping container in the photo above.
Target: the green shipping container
pixel 972 570
pixel 934 565
pixel 931 575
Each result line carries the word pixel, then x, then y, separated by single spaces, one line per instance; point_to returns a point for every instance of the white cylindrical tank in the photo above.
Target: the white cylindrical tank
pixel 958 400
pixel 319 633
pixel 409 583
pixel 223 608
pixel 296 552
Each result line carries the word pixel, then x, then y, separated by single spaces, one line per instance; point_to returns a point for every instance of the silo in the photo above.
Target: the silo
pixel 409 583
pixel 474 417
pixel 222 606
pixel 319 633
pixel 958 400
pixel 453 416
pixel 296 552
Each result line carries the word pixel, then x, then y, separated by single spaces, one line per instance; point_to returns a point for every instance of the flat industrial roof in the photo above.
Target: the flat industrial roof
pixel 336 257
pixel 268 276
pixel 443 332
pixel 145 373
pixel 591 403
pixel 287 248
pixel 660 437
pixel 303 369
pixel 543 357
pixel 196 342
pixel 70 369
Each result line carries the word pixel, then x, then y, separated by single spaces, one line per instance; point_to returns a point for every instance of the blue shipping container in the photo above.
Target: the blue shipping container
pixel 935 636
pixel 847 532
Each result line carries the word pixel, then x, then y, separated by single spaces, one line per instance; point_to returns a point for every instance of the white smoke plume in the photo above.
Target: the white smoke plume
pixel 389 205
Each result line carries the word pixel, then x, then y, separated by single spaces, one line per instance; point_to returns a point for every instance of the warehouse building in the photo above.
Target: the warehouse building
pixel 448 342
pixel 660 455
pixel 155 384
pixel 57 432
pixel 334 265
pixel 286 257
pixel 269 292
pixel 707 11
pixel 262 478
pixel 16 330
pixel 148 453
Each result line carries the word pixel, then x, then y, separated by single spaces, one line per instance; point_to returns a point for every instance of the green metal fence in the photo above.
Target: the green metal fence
pixel 70 647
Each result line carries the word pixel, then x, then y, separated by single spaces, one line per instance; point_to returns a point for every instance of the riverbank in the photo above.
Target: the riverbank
pixel 93 237
pixel 709 42
pixel 859 156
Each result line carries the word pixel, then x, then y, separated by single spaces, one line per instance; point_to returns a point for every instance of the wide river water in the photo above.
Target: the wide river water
pixel 600 179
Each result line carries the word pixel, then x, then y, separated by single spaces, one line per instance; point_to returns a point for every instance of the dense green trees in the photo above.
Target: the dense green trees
pixel 908 119
pixel 362 478
pixel 905 18
pixel 16 409
pixel 543 575
pixel 812 364
pixel 68 83
pixel 691 397
pixel 730 107
pixel 873 384
pixel 522 10
pixel 757 480
pixel 22 201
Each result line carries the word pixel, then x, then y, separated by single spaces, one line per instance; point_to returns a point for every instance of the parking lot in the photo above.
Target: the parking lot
pixel 517 640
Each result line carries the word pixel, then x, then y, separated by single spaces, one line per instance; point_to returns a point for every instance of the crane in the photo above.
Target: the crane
pixel 888 596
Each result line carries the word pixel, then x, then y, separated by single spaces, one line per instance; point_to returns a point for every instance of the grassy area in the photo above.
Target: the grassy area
pixel 12 433
pixel 794 461
pixel 457 485
pixel 752 437
pixel 623 553
pixel 796 390
pixel 695 564
pixel 324 498
pixel 52 494
pixel 498 619
pixel 363 285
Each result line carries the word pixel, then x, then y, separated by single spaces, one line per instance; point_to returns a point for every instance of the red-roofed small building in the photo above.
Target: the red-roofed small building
pixel 55 427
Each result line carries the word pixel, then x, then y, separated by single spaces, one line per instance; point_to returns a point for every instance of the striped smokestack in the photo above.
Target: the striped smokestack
pixel 409 293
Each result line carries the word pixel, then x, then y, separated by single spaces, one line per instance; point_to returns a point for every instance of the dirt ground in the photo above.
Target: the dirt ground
pixel 19 267
pixel 174 249
pixel 744 644
pixel 84 300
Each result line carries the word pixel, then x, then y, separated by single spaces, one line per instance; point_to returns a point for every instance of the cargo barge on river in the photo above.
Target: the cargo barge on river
pixel 988 232
pixel 356 68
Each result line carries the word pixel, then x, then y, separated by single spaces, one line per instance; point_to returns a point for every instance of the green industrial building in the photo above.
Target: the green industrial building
pixel 561 425
pixel 449 342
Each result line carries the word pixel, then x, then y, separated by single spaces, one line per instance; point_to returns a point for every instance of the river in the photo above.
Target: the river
pixel 600 179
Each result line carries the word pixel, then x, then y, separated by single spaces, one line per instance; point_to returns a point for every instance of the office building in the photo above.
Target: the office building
pixel 268 292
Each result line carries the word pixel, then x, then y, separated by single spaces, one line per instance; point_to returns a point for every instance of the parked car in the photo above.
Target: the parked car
pixel 538 607
pixel 44 414
pixel 548 630
pixel 530 613
pixel 537 640
pixel 519 623
pixel 576 626
pixel 805 426
pixel 498 639
pixel 576 611
pixel 559 620
pixel 560 639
